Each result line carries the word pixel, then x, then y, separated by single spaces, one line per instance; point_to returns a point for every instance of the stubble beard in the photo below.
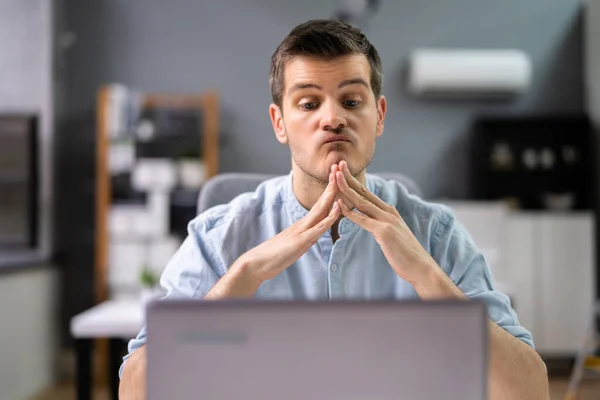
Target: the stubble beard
pixel 321 178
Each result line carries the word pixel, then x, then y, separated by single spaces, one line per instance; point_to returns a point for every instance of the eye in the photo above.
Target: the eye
pixel 308 106
pixel 351 103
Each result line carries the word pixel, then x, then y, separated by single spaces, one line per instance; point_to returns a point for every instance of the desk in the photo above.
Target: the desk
pixel 116 320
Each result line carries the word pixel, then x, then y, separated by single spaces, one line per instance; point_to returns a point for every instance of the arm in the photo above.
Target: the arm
pixel 272 257
pixel 133 380
pixel 237 282
pixel 241 280
pixel 190 273
pixel 516 371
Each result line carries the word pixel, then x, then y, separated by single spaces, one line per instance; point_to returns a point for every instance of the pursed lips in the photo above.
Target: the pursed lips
pixel 337 139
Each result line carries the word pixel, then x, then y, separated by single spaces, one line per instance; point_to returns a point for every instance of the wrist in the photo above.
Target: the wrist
pixel 243 269
pixel 424 274
pixel 433 283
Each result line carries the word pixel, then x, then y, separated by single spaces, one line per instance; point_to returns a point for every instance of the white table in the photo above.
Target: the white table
pixel 116 320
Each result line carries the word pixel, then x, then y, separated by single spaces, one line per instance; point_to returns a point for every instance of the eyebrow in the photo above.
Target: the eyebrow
pixel 305 86
pixel 347 82
pixel 355 81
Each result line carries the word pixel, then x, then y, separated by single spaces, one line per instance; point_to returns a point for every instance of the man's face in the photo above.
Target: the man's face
pixel 329 114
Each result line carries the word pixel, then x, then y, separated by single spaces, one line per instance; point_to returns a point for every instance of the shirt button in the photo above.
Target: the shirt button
pixel 334 267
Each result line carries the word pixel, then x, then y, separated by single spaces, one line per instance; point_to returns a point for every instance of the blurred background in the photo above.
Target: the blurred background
pixel 114 114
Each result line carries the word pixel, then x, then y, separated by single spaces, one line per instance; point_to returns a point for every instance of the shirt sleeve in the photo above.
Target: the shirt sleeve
pixel 191 273
pixel 459 257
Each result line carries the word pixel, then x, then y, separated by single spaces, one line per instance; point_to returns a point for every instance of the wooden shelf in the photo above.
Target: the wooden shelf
pixel 207 103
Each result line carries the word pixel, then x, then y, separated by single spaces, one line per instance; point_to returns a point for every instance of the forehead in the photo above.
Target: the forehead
pixel 304 69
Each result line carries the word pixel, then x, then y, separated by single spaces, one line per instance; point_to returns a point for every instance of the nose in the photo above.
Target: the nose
pixel 333 118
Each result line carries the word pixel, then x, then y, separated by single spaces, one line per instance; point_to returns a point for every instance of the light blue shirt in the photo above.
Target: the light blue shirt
pixel 354 267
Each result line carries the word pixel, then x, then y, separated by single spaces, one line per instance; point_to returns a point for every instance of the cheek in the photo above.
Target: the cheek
pixel 367 120
pixel 301 124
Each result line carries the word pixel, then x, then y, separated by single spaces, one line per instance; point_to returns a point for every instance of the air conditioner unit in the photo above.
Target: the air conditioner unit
pixel 459 73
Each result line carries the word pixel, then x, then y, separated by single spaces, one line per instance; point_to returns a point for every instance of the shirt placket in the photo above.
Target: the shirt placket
pixel 336 260
pixel 326 246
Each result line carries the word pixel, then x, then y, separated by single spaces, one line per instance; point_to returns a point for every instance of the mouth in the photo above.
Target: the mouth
pixel 337 139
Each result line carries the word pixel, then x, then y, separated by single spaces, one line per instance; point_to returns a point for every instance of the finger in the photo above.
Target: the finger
pixel 341 196
pixel 361 203
pixel 314 233
pixel 364 221
pixel 335 168
pixel 360 188
pixel 323 205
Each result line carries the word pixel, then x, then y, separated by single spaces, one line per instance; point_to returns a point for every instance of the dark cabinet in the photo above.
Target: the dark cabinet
pixel 18 181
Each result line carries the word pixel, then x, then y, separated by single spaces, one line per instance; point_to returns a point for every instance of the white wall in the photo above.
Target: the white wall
pixel 28 334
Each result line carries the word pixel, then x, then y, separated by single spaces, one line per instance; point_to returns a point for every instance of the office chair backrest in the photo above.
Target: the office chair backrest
pixel 223 188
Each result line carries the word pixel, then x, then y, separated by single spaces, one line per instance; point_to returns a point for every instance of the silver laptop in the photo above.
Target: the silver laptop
pixel 272 350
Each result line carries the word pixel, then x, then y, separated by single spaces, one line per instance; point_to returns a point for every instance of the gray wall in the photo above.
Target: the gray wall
pixel 189 45
pixel 592 59
pixel 28 293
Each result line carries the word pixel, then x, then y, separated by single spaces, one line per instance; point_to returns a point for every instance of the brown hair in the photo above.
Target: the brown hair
pixel 326 39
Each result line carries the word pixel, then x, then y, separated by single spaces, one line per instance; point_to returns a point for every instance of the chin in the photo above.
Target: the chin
pixel 334 157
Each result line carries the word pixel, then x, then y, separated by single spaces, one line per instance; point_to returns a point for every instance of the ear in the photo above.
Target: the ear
pixel 381 110
pixel 278 125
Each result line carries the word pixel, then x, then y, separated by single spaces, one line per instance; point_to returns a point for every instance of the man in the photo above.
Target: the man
pixel 329 230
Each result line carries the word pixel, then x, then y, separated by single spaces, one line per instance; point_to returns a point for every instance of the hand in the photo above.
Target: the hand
pixel 270 258
pixel 400 247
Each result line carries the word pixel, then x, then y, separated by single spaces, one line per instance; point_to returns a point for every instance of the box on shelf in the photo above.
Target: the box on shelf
pixel 123 219
pixel 156 174
pixel 126 259
pixel 160 252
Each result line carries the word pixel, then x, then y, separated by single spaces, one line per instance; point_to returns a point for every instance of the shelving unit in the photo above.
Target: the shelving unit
pixel 206 103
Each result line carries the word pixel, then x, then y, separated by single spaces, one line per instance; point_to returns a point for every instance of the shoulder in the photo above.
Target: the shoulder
pixel 241 210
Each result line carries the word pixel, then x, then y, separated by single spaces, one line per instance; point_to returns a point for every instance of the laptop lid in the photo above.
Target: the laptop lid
pixel 272 350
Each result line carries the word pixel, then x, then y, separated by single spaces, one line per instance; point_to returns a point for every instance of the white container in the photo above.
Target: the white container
pixel 126 258
pixel 159 212
pixel 147 226
pixel 154 174
pixel 160 252
pixel 121 156
pixel 123 220
pixel 117 110
pixel 192 173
